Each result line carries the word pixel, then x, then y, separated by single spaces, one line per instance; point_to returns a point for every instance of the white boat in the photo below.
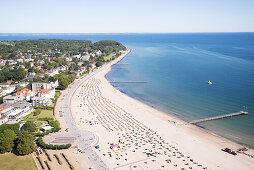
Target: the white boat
pixel 209 82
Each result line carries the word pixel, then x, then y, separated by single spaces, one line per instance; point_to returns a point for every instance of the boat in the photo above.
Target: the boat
pixel 209 82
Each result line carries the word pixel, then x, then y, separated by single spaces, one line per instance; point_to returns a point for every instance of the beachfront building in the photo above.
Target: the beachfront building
pixel 3 114
pixel 47 93
pixel 13 111
pixel 12 99
pixel 25 94
pixel 41 101
pixel 36 87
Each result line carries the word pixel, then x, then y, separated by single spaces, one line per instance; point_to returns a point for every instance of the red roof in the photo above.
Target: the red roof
pixel 24 91
pixel 44 91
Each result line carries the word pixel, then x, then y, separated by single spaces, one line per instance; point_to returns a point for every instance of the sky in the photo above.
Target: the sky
pixel 126 16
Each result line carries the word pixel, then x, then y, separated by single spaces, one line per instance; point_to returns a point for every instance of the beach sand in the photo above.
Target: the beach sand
pixel 142 137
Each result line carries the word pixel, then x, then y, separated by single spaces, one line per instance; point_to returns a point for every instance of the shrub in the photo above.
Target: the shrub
pixel 40 162
pixel 58 160
pixel 41 143
pixel 47 165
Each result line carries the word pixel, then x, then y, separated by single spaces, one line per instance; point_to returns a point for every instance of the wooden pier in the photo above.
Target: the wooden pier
pixel 219 117
pixel 128 82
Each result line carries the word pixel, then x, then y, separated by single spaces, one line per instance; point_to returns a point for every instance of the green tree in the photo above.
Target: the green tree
pixel 55 124
pixel 7 140
pixel 29 126
pixel 24 144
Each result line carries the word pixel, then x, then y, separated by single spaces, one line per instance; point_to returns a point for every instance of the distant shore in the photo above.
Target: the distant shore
pixel 202 145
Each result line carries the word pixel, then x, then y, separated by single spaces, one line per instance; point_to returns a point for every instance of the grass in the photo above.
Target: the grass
pixel 10 161
pixel 44 114
pixel 108 57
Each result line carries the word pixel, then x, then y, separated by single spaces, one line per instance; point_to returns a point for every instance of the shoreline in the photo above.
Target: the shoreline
pixel 100 96
pixel 171 113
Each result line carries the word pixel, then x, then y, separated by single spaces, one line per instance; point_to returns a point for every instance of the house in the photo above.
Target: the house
pixel 2 93
pixel 8 89
pixel 38 67
pixel 20 60
pixel 32 64
pixel 93 65
pixel 80 63
pixel 12 62
pixel 23 84
pixel 28 60
pixel 48 93
pixel 25 93
pixel 61 68
pixel 85 57
pixel 7 84
pixel 2 62
pixel 54 83
pixel 52 72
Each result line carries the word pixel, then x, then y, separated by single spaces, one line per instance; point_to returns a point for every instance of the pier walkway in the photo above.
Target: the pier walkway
pixel 128 82
pixel 219 117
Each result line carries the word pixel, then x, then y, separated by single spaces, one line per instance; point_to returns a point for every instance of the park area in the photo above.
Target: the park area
pixel 10 161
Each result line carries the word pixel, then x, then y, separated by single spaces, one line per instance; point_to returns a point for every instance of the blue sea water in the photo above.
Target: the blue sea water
pixel 177 68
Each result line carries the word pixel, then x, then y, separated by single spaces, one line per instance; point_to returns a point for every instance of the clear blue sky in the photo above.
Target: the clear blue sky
pixel 116 16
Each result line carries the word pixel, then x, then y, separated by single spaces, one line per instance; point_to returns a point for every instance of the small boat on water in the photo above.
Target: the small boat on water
pixel 209 82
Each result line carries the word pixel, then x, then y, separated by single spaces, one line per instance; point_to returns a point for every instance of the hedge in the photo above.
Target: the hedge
pixel 47 165
pixel 48 156
pixel 70 165
pixel 58 160
pixel 42 144
pixel 40 162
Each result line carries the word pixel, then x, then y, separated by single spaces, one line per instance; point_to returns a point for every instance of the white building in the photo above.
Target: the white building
pixel 52 72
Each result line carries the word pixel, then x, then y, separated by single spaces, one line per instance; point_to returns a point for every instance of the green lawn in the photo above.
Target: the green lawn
pixel 44 114
pixel 108 57
pixel 10 161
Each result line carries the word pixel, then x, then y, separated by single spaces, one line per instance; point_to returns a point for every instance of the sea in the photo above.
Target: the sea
pixel 176 68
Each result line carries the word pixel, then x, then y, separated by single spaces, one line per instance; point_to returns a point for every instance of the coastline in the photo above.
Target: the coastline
pixel 190 139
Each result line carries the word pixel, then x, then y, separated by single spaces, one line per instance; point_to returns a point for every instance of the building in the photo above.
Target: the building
pixel 13 111
pixel 4 114
pixel 2 93
pixel 36 87
pixel 61 68
pixel 52 72
pixel 12 99
pixel 54 83
pixel 47 93
pixel 25 94
pixel 41 101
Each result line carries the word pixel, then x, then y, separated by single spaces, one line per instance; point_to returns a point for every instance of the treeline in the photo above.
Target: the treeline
pixel 14 75
pixel 108 46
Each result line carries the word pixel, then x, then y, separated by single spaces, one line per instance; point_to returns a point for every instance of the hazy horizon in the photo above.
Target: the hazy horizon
pixel 143 16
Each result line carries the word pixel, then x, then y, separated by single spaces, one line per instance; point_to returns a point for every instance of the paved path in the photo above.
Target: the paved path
pixel 84 137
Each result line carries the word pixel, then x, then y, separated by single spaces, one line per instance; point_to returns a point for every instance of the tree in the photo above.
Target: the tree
pixel 14 127
pixel 24 144
pixel 37 112
pixel 55 124
pixel 29 126
pixel 7 140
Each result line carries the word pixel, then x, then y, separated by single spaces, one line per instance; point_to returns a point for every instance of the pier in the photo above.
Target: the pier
pixel 128 82
pixel 219 117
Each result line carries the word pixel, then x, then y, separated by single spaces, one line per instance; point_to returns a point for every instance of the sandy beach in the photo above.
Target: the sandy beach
pixel 133 135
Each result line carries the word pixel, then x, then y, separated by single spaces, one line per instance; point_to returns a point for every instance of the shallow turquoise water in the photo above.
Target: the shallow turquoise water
pixel 177 68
